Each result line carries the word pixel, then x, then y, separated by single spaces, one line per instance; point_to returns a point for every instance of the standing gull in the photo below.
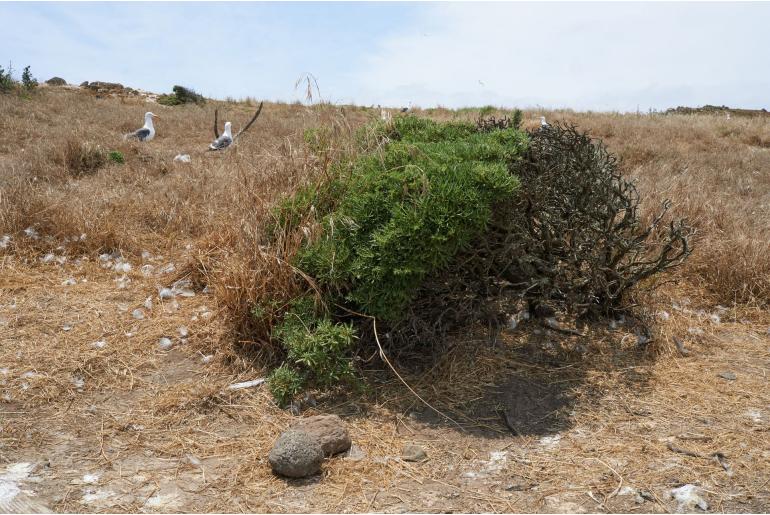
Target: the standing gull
pixel 543 123
pixel 223 141
pixel 227 139
pixel 147 132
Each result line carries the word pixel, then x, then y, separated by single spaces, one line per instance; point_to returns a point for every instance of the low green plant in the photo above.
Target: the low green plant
pixel 318 352
pixel 168 100
pixel 285 383
pixel 116 157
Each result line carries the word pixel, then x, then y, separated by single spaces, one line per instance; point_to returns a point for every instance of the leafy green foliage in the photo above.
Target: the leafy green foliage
pixel 285 383
pixel 421 227
pixel 407 211
pixel 117 157
pixel 318 352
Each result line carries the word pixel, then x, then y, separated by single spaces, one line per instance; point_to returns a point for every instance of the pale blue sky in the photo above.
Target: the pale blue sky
pixel 601 56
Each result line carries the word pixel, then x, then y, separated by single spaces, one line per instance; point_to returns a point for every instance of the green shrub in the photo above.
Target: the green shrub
pixel 168 100
pixel 7 83
pixel 187 95
pixel 181 95
pixel 405 213
pixel 425 223
pixel 417 195
pixel 27 80
pixel 117 157
pixel 317 352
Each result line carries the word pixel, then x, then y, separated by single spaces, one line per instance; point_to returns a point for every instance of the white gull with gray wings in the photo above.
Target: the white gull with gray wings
pixel 227 138
pixel 147 132
pixel 223 141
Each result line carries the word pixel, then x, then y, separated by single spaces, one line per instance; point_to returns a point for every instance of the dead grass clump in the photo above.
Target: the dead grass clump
pixel 83 157
pixel 738 271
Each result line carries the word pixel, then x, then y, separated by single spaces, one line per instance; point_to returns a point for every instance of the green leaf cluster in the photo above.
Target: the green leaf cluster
pixel 406 211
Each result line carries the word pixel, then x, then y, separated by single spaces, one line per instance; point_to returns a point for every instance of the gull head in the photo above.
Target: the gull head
pixel 228 128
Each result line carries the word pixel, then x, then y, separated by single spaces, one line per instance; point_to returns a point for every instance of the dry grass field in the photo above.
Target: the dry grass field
pixel 95 416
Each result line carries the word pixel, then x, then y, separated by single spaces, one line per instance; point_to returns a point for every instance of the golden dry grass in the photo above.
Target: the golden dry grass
pixel 154 423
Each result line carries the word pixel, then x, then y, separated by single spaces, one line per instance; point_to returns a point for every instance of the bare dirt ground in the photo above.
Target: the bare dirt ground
pixel 127 426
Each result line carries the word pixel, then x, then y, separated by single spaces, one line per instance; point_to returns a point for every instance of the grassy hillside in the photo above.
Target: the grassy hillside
pixel 530 422
pixel 712 168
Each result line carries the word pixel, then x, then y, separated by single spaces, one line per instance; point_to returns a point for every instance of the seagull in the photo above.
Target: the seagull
pixel 147 132
pixel 543 123
pixel 227 139
pixel 223 141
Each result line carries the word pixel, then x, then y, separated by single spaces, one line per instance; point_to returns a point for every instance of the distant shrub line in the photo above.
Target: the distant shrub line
pixel 9 84
pixel 180 96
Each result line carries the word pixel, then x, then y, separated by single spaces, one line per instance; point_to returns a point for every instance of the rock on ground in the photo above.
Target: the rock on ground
pixel 296 454
pixel 413 453
pixel 328 430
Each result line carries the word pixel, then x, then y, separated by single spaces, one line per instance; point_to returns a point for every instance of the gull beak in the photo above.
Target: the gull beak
pixel 155 116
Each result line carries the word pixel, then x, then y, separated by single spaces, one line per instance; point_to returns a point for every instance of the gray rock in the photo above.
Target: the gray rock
pixel 56 81
pixel 413 452
pixel 730 376
pixel 328 430
pixel 296 454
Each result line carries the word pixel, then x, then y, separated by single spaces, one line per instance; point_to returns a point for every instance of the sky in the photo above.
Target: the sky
pixel 586 56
